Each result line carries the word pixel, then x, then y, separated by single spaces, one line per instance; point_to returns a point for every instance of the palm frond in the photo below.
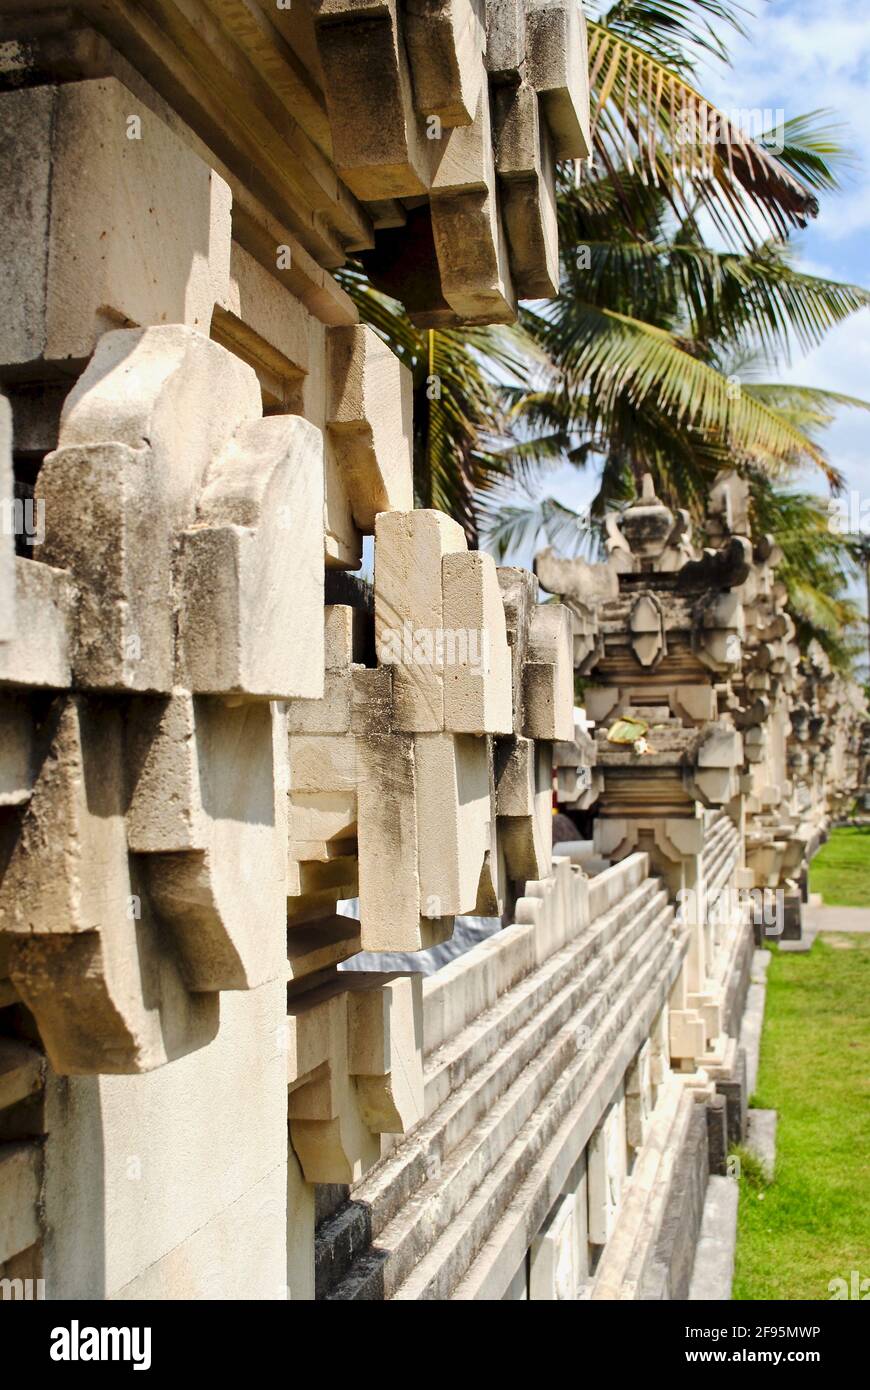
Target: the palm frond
pixel 817 559
pixel 811 146
pixel 512 527
pixel 647 116
pixel 673 29
pixel 621 356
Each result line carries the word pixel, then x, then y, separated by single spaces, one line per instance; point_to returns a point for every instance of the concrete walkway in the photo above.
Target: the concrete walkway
pixel 817 917
pixel 837 919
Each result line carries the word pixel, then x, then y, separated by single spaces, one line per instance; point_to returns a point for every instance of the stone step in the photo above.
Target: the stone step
pixel 621 1269
pixel 432 1212
pixel 720 851
pixel 469 1050
pixel 536 1007
pixel 513 1031
pixel 583 1087
pixel 389 1186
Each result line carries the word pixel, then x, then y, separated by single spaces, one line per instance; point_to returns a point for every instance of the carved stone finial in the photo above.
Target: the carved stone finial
pixel 647 524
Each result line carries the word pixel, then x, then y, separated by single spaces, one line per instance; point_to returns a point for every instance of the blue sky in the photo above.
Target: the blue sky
pixel 801 55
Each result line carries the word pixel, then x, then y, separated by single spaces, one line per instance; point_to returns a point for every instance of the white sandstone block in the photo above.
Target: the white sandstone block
pixel 557 67
pixel 208 817
pixel 454 818
pixel 92 193
pixel 445 40
pixel 477 658
pixel 524 792
pixel 250 568
pixel 368 416
pixel 138 433
pixel 549 674
pixel 87 956
pixel 409 612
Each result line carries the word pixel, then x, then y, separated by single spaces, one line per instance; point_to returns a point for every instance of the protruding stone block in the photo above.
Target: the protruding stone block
pixel 557 67
pixel 409 611
pixel 505 39
pixel 369 421
pixel 526 171
pixel 549 674
pixel 87 956
pixel 207 816
pixel 445 41
pixel 250 568
pixel 139 430
pixel 379 141
pixel 94 233
pixel 477 659
pixel 466 225
pixel 454 814
pixel 524 803
pixel 40 652
pixel 355 1049
pixel 393 910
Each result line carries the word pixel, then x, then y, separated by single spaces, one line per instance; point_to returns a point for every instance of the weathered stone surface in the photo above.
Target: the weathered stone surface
pixel 86 954
pixel 556 66
pixel 446 40
pixel 466 224
pixel 369 421
pixel 505 38
pixel 208 817
pixel 524 805
pixel 378 139
pixel 144 463
pixel 526 174
pixel 7 526
pixel 549 674
pixel 120 246
pixel 409 611
pixel 138 434
pixel 40 652
pixel 242 577
pixel 453 821
pixel 477 660
pixel 354 1071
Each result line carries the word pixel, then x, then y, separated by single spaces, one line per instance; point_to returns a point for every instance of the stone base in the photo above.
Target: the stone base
pixel 669 1269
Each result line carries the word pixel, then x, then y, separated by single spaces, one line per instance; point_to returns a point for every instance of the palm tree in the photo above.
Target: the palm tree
pixel 655 348
pixel 461 428
pixel 648 343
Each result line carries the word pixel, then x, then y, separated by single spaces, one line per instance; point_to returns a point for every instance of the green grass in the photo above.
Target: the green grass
pixel 841 869
pixel 812 1223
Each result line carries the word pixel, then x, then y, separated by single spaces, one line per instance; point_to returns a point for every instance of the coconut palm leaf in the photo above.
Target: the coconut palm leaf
pixel 620 356
pixel 812 147
pixel 816 561
pixel 459 419
pixel 759 299
pixel 647 117
pixel 674 30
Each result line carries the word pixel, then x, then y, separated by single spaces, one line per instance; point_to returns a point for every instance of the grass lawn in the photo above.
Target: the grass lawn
pixel 812 1223
pixel 841 869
